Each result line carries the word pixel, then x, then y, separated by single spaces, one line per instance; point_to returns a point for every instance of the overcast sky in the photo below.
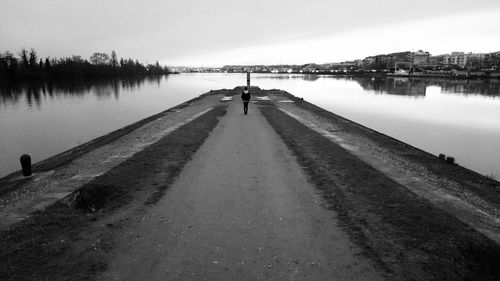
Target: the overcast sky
pixel 219 32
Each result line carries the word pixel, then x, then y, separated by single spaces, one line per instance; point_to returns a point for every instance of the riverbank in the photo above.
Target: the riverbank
pixel 409 214
pixel 13 180
pixel 450 75
pixel 460 75
pixel 58 176
pixel 427 113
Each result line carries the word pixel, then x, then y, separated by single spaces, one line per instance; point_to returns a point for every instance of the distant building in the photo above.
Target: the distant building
pixel 478 56
pixel 384 61
pixel 402 57
pixel 436 60
pixel 456 58
pixel 492 60
pixel 368 62
pixel 311 68
pixel 388 61
pixel 420 57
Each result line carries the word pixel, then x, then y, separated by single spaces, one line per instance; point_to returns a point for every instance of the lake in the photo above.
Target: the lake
pixel 456 117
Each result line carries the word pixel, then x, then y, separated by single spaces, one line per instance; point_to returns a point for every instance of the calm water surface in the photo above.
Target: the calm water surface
pixel 457 118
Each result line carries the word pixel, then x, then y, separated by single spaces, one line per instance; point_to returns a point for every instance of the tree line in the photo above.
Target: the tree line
pixel 28 64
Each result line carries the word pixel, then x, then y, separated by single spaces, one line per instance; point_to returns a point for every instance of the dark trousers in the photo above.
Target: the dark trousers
pixel 245 107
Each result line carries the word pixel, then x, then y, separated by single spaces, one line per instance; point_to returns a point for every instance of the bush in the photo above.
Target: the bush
pixel 450 160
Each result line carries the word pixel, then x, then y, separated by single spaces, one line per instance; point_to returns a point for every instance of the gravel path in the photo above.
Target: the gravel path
pixel 242 209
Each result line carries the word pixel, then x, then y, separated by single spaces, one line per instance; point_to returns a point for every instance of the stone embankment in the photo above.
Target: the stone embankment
pixel 289 191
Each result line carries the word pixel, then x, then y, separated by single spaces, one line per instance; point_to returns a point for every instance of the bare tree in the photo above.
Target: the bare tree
pixel 99 58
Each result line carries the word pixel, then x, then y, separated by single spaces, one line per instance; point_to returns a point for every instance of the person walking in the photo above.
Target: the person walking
pixel 245 97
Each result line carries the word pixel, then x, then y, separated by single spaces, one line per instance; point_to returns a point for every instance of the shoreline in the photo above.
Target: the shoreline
pixel 385 75
pixel 64 157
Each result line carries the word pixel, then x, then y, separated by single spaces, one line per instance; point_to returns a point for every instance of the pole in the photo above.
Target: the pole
pixel 26 164
pixel 248 79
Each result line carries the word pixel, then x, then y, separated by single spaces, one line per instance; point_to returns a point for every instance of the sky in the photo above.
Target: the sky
pixel 221 32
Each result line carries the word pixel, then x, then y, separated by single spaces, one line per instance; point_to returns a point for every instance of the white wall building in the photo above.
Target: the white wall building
pixel 456 58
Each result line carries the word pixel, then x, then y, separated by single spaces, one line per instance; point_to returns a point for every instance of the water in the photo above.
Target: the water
pixel 457 118
pixel 44 119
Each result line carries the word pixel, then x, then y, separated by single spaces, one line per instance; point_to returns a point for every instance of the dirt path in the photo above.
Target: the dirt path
pixel 242 209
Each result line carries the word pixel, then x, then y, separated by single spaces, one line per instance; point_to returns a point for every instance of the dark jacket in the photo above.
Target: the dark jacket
pixel 245 96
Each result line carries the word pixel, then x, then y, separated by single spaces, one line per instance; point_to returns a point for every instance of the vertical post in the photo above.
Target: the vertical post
pixel 248 79
pixel 26 164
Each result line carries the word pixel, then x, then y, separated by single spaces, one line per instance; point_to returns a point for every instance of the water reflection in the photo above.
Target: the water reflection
pixel 403 86
pixel 400 86
pixel 418 86
pixel 35 92
pixel 469 87
pixel 46 118
pixel 304 77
